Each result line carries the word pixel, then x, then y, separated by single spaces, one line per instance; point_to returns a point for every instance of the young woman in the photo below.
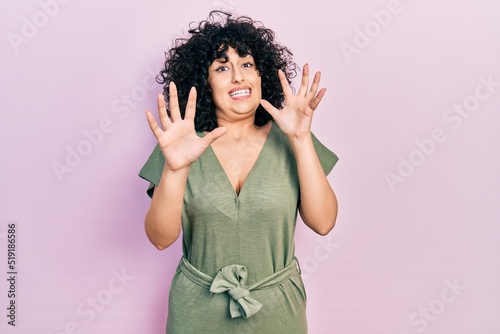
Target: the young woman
pixel 235 162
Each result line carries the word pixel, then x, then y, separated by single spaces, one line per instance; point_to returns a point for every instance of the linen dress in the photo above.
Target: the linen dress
pixel 254 229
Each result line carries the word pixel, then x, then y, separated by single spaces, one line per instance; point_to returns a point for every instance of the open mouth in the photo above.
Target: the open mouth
pixel 240 93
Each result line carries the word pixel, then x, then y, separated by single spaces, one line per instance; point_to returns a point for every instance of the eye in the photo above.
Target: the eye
pixel 247 65
pixel 221 69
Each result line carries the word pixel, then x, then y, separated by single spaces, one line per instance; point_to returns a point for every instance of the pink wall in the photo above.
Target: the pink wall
pixel 412 109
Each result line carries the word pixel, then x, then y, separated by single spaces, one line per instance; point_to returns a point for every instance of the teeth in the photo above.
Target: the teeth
pixel 240 92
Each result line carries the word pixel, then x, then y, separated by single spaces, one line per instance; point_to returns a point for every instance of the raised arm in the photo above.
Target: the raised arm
pixel 180 146
pixel 318 203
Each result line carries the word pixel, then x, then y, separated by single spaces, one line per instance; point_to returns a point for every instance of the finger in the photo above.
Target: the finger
pixel 315 102
pixel 162 112
pixel 175 112
pixel 214 135
pixel 153 125
pixel 315 85
pixel 269 108
pixel 305 81
pixel 191 105
pixel 287 90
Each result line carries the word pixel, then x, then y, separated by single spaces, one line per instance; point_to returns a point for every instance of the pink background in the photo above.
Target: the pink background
pixel 416 247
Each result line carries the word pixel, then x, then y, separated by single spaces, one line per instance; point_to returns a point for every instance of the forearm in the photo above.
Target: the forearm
pixel 318 204
pixel 163 219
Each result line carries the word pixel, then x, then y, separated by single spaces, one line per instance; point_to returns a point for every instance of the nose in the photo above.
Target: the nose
pixel 237 75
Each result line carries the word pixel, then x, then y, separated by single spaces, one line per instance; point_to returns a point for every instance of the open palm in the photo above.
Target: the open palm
pixel 178 141
pixel 295 118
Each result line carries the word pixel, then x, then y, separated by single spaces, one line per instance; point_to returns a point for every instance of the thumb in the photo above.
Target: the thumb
pixel 214 135
pixel 269 107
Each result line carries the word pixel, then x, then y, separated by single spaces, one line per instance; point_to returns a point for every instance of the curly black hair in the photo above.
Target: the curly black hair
pixel 187 63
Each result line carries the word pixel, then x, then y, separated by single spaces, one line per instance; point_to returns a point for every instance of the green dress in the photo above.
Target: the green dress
pixel 254 229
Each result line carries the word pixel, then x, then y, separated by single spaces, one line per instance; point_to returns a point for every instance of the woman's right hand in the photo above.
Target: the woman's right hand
pixel 178 141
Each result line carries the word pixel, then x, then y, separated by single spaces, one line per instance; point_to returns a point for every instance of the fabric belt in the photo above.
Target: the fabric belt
pixel 232 279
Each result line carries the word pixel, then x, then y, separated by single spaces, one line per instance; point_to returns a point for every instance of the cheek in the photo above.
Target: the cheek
pixel 217 97
pixel 259 86
pixel 214 89
pixel 215 85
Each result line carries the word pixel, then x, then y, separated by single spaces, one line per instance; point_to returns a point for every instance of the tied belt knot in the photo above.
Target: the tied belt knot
pixel 236 293
pixel 232 279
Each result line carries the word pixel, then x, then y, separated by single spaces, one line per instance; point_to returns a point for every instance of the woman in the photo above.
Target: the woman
pixel 232 170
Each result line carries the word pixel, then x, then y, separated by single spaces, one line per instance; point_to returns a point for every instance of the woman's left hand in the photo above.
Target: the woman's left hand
pixel 296 116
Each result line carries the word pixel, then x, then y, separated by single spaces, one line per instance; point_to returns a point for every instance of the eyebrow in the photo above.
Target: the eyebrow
pixel 224 58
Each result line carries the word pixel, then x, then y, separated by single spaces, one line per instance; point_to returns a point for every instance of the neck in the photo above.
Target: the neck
pixel 237 130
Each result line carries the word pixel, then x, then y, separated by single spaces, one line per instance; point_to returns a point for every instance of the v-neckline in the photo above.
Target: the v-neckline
pixel 250 173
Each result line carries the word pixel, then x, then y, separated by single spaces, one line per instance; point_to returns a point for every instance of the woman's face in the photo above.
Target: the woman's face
pixel 236 85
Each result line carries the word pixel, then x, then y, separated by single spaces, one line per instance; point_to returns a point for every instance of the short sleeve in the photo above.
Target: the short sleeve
pixel 152 170
pixel 327 158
